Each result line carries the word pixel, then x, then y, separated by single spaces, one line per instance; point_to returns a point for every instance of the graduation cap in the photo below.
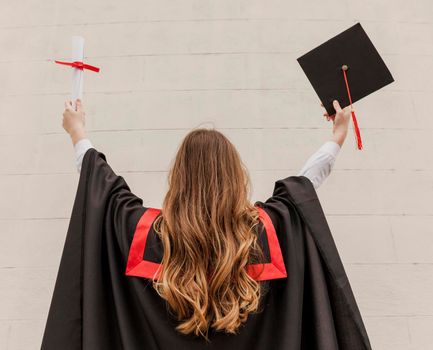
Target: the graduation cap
pixel 346 68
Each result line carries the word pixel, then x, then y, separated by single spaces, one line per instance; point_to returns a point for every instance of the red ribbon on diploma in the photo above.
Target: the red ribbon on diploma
pixel 355 123
pixel 79 65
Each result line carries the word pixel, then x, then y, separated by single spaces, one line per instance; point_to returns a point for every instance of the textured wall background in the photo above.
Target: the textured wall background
pixel 168 66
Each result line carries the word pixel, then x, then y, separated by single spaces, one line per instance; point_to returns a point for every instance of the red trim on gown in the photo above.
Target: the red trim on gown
pixel 138 267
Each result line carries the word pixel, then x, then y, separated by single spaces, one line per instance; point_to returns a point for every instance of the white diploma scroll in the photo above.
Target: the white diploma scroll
pixel 77 74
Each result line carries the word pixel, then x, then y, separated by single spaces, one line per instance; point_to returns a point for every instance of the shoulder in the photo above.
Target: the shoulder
pixel 285 206
pixel 92 154
pixel 287 193
pixel 294 188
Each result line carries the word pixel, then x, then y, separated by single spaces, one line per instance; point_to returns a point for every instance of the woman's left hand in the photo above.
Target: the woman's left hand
pixel 74 120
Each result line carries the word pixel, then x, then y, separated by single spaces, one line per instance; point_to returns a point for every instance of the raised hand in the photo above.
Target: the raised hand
pixel 340 121
pixel 74 121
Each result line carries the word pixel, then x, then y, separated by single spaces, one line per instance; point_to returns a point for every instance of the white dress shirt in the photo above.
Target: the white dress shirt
pixel 316 168
pixel 319 165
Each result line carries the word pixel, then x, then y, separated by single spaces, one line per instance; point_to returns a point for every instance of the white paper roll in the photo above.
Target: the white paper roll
pixel 77 74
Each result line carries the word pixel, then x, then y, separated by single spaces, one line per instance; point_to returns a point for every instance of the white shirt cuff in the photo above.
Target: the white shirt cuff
pixel 80 149
pixel 82 145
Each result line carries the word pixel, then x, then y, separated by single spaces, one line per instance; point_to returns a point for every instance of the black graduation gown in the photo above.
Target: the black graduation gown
pixel 97 304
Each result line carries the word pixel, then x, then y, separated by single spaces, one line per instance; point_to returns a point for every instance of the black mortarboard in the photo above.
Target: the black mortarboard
pixel 345 68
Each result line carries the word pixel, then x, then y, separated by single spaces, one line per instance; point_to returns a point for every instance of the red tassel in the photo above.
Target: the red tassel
pixel 357 132
pixel 355 122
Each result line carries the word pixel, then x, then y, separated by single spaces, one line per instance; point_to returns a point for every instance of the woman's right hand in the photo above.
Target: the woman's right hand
pixel 341 121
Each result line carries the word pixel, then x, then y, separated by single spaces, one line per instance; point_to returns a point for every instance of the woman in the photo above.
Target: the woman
pixel 207 270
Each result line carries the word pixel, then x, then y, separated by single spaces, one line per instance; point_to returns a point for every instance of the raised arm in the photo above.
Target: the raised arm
pixel 319 165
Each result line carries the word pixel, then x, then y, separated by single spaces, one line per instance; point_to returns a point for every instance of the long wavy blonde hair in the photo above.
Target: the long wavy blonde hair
pixel 207 228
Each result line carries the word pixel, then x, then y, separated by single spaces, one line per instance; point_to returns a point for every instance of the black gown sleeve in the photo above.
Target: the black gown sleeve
pixel 102 224
pixel 331 317
pixel 105 188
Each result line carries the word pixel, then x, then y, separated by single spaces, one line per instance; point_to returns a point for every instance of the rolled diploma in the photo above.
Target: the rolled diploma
pixel 77 74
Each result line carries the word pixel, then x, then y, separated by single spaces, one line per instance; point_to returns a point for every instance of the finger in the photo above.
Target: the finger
pixel 327 116
pixel 348 109
pixel 68 105
pixel 336 106
pixel 79 105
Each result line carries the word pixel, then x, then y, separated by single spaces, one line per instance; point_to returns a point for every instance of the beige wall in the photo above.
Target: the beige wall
pixel 168 66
